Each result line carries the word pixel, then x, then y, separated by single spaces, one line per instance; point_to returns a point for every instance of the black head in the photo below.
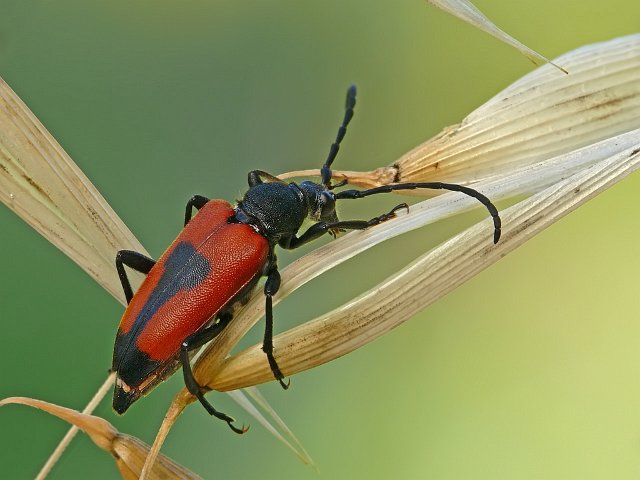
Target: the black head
pixel 321 202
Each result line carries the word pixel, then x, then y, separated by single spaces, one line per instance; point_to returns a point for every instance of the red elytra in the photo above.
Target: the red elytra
pixel 209 265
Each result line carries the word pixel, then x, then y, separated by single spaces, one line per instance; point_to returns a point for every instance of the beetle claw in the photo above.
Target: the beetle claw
pixel 283 384
pixel 339 184
pixel 230 421
pixel 334 232
pixel 402 206
pixel 237 430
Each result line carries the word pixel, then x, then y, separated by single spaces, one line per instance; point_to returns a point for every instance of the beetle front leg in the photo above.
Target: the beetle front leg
pixel 271 287
pixel 191 343
pixel 137 261
pixel 318 229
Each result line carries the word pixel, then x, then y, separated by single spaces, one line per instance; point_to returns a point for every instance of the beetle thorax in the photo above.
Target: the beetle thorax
pixel 278 210
pixel 275 209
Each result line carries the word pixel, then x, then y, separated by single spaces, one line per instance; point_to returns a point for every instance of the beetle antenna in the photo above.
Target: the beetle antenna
pixel 350 103
pixel 497 223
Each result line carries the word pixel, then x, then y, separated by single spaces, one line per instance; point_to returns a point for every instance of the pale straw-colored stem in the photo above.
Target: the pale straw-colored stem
pixel 66 440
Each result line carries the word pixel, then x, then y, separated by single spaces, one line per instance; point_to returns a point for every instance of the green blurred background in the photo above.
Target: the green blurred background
pixel 528 371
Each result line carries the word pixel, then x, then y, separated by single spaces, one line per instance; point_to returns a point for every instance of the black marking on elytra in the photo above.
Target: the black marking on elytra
pixel 184 269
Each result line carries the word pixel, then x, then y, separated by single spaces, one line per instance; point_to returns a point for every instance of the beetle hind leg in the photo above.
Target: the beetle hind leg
pixel 196 341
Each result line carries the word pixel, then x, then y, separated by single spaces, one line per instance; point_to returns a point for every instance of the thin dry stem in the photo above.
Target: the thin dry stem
pixel 466 11
pixel 66 440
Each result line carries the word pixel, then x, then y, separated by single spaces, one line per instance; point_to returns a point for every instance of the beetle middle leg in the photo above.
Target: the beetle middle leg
pixel 193 342
pixel 272 284
pixel 271 287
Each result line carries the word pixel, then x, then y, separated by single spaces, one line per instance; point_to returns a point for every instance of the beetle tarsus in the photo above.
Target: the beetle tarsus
pixel 199 394
pixel 388 216
pixel 283 384
pixel 215 413
pixel 275 369
pixel 339 184
pixel 195 341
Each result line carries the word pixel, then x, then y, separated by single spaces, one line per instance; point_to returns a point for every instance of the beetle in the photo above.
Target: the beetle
pixel 189 294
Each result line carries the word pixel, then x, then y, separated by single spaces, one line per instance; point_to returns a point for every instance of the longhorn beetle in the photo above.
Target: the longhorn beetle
pixel 189 294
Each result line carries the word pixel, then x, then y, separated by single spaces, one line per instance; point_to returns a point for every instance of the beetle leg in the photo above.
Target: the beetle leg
pixel 136 261
pixel 271 287
pixel 320 228
pixel 197 201
pixel 193 342
pixel 256 177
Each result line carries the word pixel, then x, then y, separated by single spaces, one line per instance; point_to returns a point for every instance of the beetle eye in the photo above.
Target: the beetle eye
pixel 327 207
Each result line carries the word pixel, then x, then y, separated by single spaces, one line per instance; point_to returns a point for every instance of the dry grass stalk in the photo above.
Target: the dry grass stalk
pixel 42 185
pixel 129 452
pixel 466 11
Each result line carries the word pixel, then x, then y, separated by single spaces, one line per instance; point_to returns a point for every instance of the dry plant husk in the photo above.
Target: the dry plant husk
pixel 543 114
pixel 42 185
pixel 602 150
pixel 128 452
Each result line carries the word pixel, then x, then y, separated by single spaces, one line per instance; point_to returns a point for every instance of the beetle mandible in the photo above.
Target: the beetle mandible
pixel 189 294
